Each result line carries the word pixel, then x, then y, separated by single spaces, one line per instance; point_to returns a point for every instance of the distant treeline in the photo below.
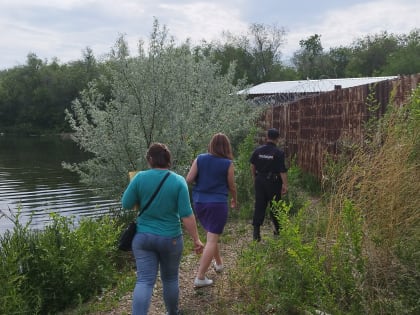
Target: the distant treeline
pixel 33 96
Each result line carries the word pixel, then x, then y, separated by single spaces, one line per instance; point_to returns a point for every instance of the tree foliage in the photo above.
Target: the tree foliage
pixel 309 60
pixel 406 59
pixel 369 54
pixel 267 41
pixel 33 96
pixel 164 94
pixel 380 54
pixel 257 55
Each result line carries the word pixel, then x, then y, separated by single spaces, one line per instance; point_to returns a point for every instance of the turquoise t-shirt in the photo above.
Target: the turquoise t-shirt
pixel 172 202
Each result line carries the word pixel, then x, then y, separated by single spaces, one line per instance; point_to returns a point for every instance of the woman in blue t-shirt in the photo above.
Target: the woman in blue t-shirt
pixel 213 174
pixel 158 243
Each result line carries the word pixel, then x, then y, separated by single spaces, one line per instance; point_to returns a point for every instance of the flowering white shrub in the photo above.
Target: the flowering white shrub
pixel 169 95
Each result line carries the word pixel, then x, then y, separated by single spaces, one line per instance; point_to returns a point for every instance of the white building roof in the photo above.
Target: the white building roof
pixel 310 86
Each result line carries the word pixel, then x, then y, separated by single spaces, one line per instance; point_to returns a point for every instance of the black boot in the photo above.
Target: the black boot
pixel 257 236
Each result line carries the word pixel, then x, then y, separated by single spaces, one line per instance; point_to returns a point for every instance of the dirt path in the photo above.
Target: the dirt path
pixel 217 299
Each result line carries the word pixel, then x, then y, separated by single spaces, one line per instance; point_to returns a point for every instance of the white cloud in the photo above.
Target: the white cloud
pixel 63 28
pixel 343 26
pixel 60 4
pixel 201 20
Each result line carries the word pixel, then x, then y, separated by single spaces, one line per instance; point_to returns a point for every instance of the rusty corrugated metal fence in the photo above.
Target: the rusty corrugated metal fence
pixel 314 126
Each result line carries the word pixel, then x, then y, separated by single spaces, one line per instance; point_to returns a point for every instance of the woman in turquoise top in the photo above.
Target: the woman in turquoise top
pixel 158 242
pixel 213 174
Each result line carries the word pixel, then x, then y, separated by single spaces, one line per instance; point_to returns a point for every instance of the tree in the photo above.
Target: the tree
pixel 256 55
pixel 266 42
pixel 227 54
pixel 165 95
pixel 33 96
pixel 406 59
pixel 337 60
pixel 309 60
pixel 370 54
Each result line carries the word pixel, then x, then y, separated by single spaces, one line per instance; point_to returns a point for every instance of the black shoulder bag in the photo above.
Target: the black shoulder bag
pixel 126 237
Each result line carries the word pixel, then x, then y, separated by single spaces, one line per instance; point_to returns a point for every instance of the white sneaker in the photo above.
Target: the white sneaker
pixel 218 268
pixel 199 283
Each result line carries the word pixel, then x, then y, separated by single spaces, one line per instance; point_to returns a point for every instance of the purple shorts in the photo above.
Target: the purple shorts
pixel 212 216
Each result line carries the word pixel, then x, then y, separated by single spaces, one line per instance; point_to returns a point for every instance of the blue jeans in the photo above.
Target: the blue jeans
pixel 151 252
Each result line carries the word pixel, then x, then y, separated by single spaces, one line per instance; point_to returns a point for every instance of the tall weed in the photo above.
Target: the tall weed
pixel 286 274
pixel 381 180
pixel 346 263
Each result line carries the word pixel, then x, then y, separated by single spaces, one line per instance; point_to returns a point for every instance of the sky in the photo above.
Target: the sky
pixel 63 29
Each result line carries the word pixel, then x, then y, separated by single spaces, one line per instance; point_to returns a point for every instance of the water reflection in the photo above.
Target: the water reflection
pixel 31 177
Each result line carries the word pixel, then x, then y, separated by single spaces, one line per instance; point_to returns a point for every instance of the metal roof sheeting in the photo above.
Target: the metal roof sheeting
pixel 310 86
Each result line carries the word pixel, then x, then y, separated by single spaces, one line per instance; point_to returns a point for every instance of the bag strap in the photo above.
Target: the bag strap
pixel 154 194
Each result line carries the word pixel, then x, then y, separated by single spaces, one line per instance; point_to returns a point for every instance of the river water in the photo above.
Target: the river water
pixel 33 180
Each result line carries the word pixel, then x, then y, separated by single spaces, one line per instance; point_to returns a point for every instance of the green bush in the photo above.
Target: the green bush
pixel 243 176
pixel 15 296
pixel 43 272
pixel 300 185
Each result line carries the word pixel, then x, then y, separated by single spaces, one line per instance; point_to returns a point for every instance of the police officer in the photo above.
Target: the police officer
pixel 270 179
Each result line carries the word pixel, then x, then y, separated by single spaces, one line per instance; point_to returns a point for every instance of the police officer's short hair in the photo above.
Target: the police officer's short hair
pixel 273 133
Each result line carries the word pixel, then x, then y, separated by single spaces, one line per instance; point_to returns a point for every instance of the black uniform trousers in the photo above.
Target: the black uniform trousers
pixel 265 191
